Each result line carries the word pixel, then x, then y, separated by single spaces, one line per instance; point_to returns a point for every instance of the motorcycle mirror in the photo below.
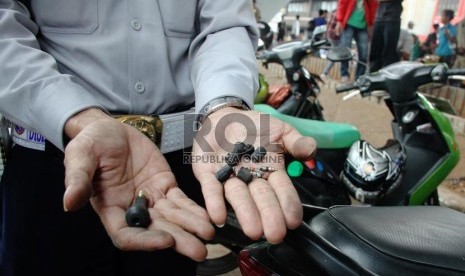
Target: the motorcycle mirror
pixel 261 45
pixel 337 54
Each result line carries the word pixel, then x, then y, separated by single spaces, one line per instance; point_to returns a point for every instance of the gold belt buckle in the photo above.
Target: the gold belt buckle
pixel 150 126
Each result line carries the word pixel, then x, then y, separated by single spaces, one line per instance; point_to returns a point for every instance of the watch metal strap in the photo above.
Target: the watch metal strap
pixel 219 103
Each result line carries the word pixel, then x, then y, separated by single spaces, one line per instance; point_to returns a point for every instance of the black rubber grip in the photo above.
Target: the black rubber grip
pixel 456 71
pixel 345 87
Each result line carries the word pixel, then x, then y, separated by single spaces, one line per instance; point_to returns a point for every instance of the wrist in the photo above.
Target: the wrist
pixel 77 122
pixel 226 103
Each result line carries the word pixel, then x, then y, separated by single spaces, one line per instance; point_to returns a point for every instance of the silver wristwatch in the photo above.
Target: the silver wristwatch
pixel 219 103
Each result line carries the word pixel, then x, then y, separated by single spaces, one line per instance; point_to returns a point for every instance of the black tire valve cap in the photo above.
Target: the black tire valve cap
pixel 258 154
pixel 224 173
pixel 233 159
pixel 244 175
pixel 249 149
pixel 138 215
pixel 239 147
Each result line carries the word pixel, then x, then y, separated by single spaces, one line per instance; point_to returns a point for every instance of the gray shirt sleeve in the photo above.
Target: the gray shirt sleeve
pixel 59 57
pixel 32 91
pixel 222 56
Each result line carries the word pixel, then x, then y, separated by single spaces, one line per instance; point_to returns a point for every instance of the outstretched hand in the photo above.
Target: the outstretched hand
pixel 265 206
pixel 109 163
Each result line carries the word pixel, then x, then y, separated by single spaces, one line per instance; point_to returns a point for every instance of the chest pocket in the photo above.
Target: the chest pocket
pixel 178 17
pixel 66 16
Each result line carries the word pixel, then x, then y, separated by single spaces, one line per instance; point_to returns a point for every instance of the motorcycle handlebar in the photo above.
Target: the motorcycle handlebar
pixel 346 87
pixel 263 55
pixel 456 71
pixel 297 49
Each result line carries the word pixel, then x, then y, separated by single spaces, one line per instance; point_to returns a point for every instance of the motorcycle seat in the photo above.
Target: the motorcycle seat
pixel 328 135
pixel 394 240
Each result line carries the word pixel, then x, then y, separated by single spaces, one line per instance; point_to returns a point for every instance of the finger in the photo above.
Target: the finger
pixel 212 191
pixel 134 238
pixel 187 220
pixel 272 217
pixel 180 199
pixel 184 242
pixel 238 195
pixel 159 235
pixel 288 198
pixel 301 147
pixel 80 166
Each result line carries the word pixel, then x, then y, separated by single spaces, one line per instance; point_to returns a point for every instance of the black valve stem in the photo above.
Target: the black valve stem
pixel 138 215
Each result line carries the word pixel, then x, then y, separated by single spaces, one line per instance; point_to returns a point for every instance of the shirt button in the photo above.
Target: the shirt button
pixel 136 25
pixel 139 87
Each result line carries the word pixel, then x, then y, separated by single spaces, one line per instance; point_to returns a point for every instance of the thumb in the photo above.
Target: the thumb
pixel 80 168
pixel 300 147
pixel 77 194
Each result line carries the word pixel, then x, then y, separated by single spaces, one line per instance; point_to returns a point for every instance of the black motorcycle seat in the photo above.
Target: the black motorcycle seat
pixel 399 240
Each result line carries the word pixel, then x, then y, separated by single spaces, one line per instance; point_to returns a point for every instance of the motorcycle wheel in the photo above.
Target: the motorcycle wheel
pixel 231 237
pixel 219 265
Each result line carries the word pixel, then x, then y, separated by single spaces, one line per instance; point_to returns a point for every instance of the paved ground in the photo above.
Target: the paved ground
pixel 373 120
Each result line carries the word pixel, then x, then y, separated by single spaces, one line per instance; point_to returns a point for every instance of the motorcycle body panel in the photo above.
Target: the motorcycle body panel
pixel 431 150
pixel 447 163
pixel 328 135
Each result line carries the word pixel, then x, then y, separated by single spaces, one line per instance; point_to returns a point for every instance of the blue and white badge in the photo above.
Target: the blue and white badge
pixel 28 138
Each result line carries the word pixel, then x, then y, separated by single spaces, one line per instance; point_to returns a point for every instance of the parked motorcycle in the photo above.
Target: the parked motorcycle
pixel 301 99
pixel 407 171
pixel 356 240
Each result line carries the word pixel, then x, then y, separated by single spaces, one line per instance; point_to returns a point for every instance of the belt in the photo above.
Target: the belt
pixel 170 132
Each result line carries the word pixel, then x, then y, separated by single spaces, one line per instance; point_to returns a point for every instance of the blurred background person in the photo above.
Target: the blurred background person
pixel 321 19
pixel 295 33
pixel 447 38
pixel 405 44
pixel 460 50
pixel 386 31
pixel 334 39
pixel 429 45
pixel 355 19
pixel 282 31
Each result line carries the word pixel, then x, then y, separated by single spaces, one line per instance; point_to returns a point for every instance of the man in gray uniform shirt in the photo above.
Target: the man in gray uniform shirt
pixel 66 66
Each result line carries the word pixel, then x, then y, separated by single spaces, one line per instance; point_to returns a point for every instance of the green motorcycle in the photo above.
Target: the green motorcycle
pixel 406 171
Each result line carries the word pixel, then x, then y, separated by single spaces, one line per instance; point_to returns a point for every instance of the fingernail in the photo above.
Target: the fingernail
pixel 65 208
pixel 220 225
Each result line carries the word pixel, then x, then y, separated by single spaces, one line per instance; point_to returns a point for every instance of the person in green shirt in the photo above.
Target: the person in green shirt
pixel 355 18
